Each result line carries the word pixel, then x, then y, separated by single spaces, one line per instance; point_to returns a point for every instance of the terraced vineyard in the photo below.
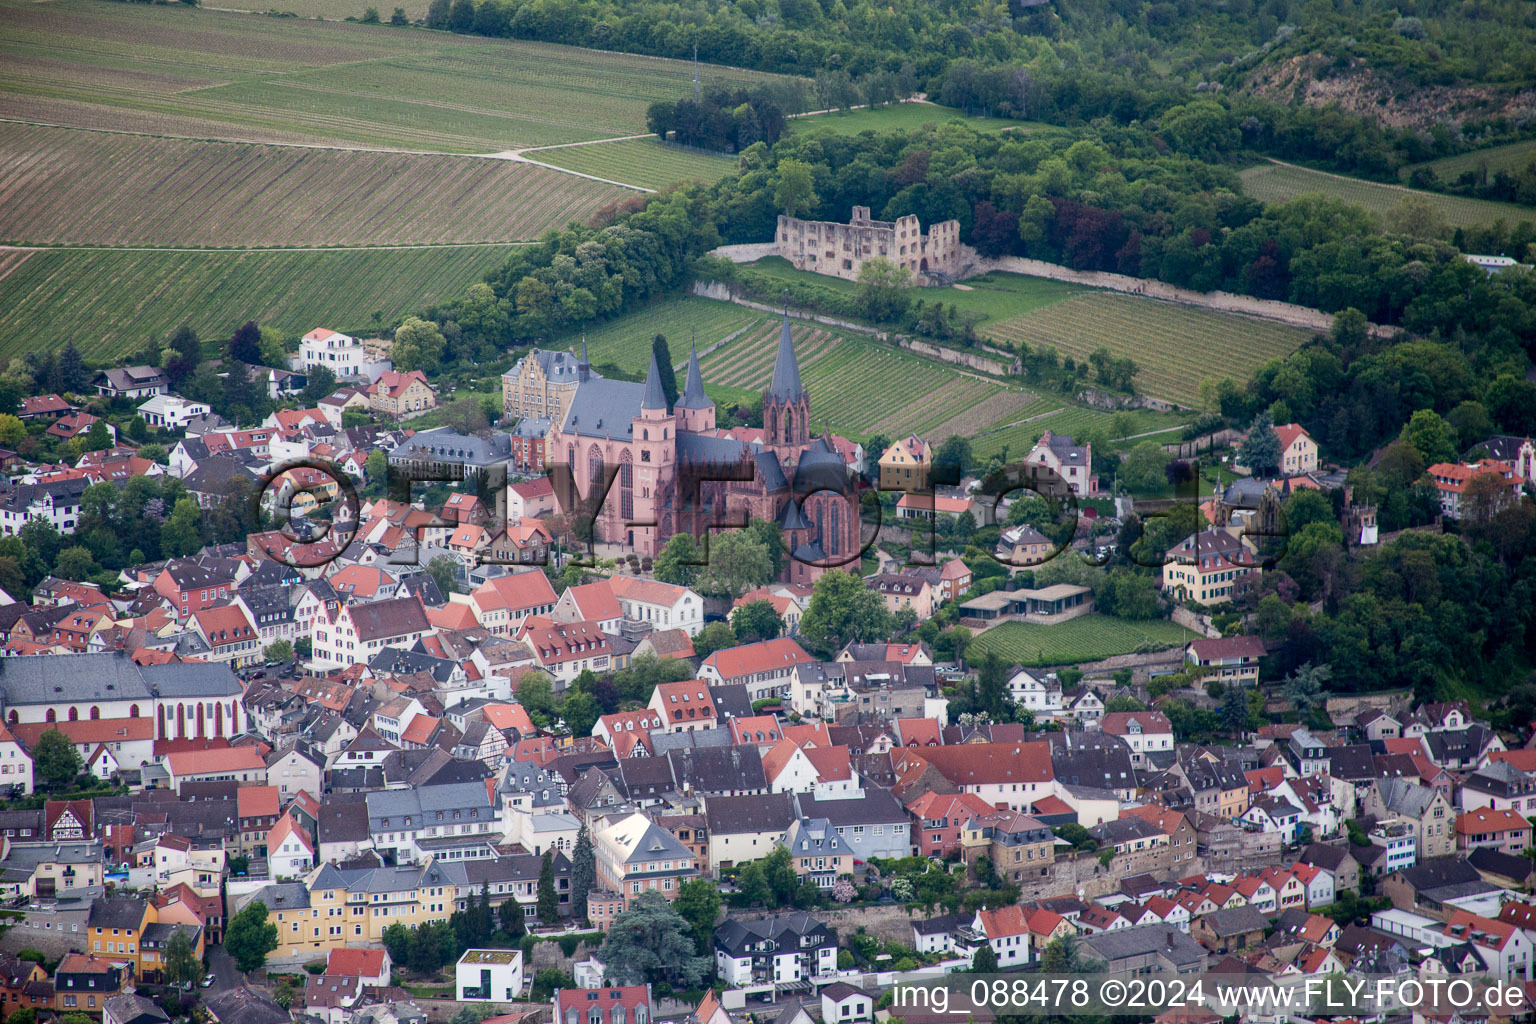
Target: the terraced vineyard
pixel 1275 183
pixel 1086 638
pixel 175 70
pixel 626 342
pixel 1516 156
pixel 1176 347
pixel 111 301
pixel 643 162
pixel 65 186
pixel 859 387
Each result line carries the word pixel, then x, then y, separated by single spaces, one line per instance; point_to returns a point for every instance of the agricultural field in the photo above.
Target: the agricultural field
pixel 1516 156
pixel 899 117
pixel 1086 638
pixel 626 342
pixel 1042 414
pixel 996 295
pixel 860 387
pixel 1176 347
pixel 176 70
pixel 61 186
pixel 1273 183
pixel 109 301
pixel 643 162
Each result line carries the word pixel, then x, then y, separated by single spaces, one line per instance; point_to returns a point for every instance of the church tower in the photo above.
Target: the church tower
pixel 647 468
pixel 786 407
pixel 695 411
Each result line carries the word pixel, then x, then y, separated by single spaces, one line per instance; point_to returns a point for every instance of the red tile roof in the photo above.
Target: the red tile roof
pixel 767 656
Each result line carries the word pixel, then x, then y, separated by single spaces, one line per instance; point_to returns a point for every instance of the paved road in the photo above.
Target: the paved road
pixel 222 966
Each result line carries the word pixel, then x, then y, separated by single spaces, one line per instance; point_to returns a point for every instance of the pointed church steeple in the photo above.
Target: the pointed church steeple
pixel 786 369
pixel 655 396
pixel 786 406
pixel 693 396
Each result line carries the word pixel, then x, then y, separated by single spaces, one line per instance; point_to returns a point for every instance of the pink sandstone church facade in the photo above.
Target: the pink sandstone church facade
pixel 677 472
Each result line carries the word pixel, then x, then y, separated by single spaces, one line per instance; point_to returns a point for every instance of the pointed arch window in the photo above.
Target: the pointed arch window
pixel 627 488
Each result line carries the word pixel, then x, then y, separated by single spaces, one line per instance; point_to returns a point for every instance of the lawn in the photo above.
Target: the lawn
pixel 111 301
pixel 1176 347
pixel 643 162
pixel 1273 183
pixel 1089 637
pixel 176 70
pixel 996 296
pixel 61 186
pixel 1514 157
pixel 899 117
pixel 1050 414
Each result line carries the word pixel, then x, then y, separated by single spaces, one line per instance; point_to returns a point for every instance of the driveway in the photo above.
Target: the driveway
pixel 225 975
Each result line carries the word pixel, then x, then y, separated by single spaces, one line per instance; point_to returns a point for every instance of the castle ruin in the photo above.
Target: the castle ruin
pixel 841 250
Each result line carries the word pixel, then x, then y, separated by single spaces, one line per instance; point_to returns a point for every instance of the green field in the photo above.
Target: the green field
pixel 860 387
pixel 996 296
pixel 643 162
pixel 626 342
pixel 1176 347
pixel 1516 156
pixel 111 301
pixel 899 117
pixel 1273 183
pixel 62 186
pixel 176 70
pixel 1048 414
pixel 1086 638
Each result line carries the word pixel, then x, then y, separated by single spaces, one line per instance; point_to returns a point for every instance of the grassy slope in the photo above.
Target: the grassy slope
pixel 1276 182
pixel 64 186
pixel 1086 638
pixel 50 296
pixel 643 162
pixel 898 117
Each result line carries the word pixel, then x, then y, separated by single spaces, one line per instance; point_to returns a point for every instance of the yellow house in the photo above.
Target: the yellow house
pixel 330 910
pixel 904 465
pixel 396 393
pixel 130 930
pixel 1298 452
pixel 1206 567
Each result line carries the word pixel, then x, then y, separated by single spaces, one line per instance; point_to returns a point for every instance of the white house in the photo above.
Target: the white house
pixel 1042 696
pixel 357 632
pixel 1145 732
pixel 840 1001
pixel 171 412
pixel 342 354
pixel 290 851
pixel 663 605
pixel 489 975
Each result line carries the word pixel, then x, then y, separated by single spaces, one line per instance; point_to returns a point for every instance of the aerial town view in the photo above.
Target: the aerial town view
pixel 768 512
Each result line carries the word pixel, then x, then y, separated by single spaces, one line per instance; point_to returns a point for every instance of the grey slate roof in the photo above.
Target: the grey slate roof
pixel 604 408
pixel 1167 940
pixel 786 368
pixel 444 444
pixel 105 677
pixel 736 815
pixel 693 396
pixel 655 397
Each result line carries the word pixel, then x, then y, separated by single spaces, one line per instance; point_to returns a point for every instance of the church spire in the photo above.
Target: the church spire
pixel 655 397
pixel 693 396
pixel 786 369
pixel 583 368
